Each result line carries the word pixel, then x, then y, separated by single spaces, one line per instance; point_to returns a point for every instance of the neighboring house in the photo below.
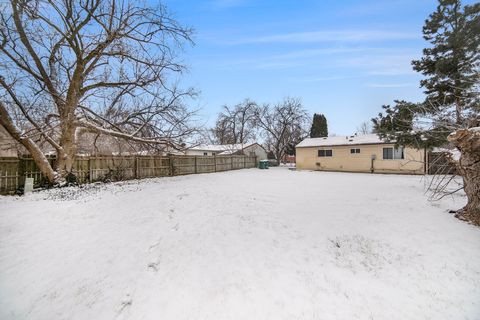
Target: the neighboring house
pixel 288 158
pixel 358 153
pixel 8 146
pixel 249 149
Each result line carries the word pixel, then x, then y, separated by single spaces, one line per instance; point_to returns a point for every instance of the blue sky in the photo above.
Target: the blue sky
pixel 343 58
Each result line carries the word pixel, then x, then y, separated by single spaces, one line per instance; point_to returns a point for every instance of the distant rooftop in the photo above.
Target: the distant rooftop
pixel 222 147
pixel 341 141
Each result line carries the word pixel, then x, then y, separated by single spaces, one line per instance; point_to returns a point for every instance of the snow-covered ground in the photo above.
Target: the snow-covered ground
pixel 247 244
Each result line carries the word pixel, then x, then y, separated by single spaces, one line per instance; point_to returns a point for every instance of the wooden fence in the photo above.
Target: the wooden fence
pixel 13 171
pixel 439 164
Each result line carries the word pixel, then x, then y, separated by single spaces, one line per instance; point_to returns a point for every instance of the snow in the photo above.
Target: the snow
pixel 245 244
pixel 341 140
pixel 225 149
pixel 454 152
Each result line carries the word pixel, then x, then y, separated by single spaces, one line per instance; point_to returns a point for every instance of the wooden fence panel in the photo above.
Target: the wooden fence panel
pixel 250 162
pixel 238 162
pixel 223 163
pixel 183 165
pixel 438 164
pixel 150 167
pixel 114 168
pixel 81 169
pixel 205 164
pixel 28 169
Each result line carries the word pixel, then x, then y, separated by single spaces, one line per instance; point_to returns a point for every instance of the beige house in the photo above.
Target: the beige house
pixel 249 149
pixel 8 146
pixel 358 153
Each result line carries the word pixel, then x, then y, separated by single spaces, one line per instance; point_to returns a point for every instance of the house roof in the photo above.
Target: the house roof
pixel 223 148
pixel 341 141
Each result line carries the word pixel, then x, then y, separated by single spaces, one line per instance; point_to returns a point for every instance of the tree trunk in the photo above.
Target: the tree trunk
pixel 468 142
pixel 279 155
pixel 66 156
pixel 40 159
pixel 64 164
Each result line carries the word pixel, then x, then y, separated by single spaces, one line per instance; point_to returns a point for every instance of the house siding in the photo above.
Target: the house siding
pixel 191 152
pixel 343 160
pixel 255 150
pixel 8 146
pixel 251 150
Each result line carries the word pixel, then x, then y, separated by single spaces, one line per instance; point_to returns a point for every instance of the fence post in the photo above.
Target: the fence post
pixel 135 165
pixel 215 163
pixel 195 157
pixel 90 173
pixel 231 162
pixel 20 171
pixel 172 168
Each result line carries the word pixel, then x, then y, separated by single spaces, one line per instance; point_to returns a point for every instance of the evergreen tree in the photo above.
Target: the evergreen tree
pixel 451 63
pixel 452 105
pixel 319 126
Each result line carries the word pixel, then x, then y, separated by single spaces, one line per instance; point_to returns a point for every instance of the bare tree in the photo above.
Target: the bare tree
pixel 235 125
pixel 99 66
pixel 364 128
pixel 283 124
pixel 221 133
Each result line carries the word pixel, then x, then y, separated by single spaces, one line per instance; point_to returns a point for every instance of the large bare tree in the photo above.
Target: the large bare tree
pixel 282 125
pixel 100 66
pixel 235 124
pixel 364 128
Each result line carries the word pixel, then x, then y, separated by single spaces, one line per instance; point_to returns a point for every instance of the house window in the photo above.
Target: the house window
pixel 393 153
pixel 213 153
pixel 205 153
pixel 325 153
pixel 354 151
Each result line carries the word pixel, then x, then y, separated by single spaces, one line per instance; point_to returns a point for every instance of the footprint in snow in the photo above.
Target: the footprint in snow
pixel 125 303
pixel 156 244
pixel 171 214
pixel 153 266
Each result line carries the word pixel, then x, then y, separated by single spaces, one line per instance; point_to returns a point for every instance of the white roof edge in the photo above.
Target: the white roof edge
pixel 223 147
pixel 342 141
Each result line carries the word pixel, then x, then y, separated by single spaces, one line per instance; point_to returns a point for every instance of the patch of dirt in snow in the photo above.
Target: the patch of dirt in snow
pixel 358 253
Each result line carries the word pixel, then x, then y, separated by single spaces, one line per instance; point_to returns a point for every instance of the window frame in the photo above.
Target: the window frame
pixel 325 153
pixel 394 150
